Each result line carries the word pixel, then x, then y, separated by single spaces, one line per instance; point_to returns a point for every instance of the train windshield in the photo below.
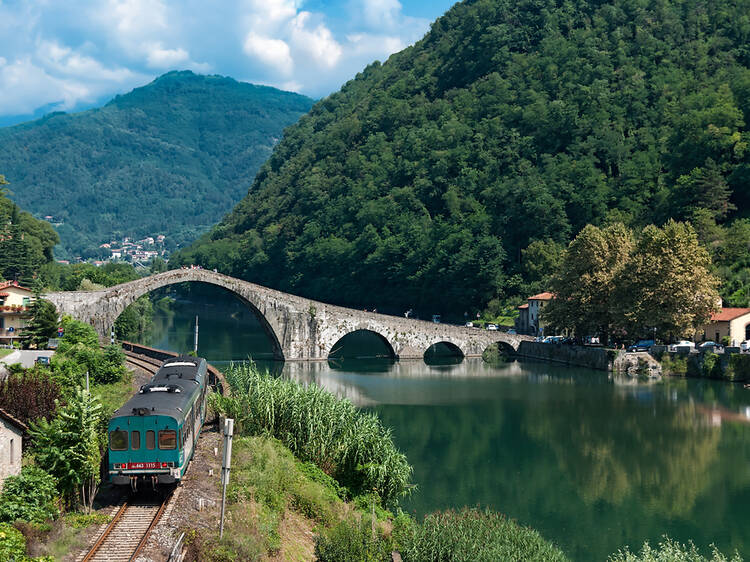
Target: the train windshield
pixel 167 439
pixel 118 440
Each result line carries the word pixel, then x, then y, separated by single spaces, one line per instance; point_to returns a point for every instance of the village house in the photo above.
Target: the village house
pixel 14 310
pixel 529 321
pixel 731 323
pixel 11 445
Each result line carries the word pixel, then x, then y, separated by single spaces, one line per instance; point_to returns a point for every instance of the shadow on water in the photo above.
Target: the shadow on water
pixel 362 351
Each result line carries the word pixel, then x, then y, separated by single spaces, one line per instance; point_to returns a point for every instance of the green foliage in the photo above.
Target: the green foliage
pixel 673 364
pixel 739 367
pixel 43 323
pixel 711 366
pixel 350 445
pixel 25 242
pixel 608 283
pixel 76 332
pixel 12 544
pixel 353 538
pixel 183 146
pixel 79 520
pixel 671 551
pixel 474 535
pixel 30 496
pixel 69 447
pixel 426 179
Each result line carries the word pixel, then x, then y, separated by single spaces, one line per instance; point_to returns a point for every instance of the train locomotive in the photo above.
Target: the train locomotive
pixel 153 436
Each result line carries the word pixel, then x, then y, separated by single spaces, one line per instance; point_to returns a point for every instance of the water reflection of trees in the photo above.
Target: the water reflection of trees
pixel 659 451
pixel 619 473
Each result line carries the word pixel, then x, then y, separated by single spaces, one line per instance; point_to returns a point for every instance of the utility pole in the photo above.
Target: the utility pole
pixel 226 466
pixel 195 337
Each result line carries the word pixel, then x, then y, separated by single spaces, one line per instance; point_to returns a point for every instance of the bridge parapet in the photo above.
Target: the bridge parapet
pixel 300 328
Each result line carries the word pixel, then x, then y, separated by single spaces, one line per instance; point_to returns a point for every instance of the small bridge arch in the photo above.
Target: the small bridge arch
pixel 363 334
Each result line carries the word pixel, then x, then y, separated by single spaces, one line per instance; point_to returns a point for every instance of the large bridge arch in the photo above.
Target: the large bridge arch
pixel 387 345
pixel 300 328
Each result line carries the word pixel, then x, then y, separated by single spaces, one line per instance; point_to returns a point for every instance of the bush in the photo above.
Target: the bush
pixel 674 365
pixel 350 445
pixel 473 535
pixel 12 544
pixel 76 332
pixel 711 365
pixel 29 395
pixel 739 367
pixel 353 538
pixel 671 551
pixel 30 496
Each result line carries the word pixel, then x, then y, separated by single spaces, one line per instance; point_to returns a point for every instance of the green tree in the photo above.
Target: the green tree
pixel 68 446
pixel 43 322
pixel 585 282
pixel 158 265
pixel 668 285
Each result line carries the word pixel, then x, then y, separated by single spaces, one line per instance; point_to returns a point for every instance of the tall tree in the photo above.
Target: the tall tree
pixel 668 287
pixel 43 322
pixel 584 285
pixel 69 447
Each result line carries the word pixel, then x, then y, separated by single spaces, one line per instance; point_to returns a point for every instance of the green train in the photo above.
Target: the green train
pixel 153 436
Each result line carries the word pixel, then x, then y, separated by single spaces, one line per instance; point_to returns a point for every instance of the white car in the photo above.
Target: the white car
pixel 682 345
pixel 492 327
pixel 745 345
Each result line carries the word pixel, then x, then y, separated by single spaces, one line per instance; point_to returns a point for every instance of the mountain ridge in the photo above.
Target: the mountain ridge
pixel 184 140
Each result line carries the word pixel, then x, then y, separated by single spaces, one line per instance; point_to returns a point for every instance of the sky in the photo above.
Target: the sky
pixel 66 55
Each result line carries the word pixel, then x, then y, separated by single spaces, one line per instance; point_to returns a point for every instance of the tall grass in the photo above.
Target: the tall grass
pixel 350 445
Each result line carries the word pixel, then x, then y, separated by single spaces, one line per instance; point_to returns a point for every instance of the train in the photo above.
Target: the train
pixel 153 436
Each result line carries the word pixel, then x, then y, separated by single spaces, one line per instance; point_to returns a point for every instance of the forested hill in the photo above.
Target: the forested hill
pixel 169 158
pixel 454 172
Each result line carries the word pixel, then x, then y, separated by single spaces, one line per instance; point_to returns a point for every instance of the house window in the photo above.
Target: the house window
pixel 26 301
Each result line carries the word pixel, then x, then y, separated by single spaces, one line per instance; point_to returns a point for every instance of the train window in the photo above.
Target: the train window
pixel 167 439
pixel 150 440
pixel 118 440
pixel 135 440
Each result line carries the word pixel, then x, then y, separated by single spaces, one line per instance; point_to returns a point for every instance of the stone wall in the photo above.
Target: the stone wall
pixel 589 357
pixel 10 450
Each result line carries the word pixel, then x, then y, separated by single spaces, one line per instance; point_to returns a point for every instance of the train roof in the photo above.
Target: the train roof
pixel 170 391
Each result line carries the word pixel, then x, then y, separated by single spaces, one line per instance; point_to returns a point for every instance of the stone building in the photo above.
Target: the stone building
pixel 11 445
pixel 732 323
pixel 14 310
pixel 529 321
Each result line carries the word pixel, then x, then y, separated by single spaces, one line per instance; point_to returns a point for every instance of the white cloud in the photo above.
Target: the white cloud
pixel 272 52
pixel 78 51
pixel 382 13
pixel 159 57
pixel 316 42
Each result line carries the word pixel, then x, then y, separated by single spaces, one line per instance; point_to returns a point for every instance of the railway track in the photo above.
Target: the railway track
pixel 127 533
pixel 145 363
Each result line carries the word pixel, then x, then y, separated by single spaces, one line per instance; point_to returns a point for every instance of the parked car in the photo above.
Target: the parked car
pixel 553 339
pixel 42 360
pixel 591 340
pixel 682 345
pixel 711 346
pixel 512 331
pixel 469 324
pixel 745 345
pixel 492 327
pixel 436 318
pixel 642 345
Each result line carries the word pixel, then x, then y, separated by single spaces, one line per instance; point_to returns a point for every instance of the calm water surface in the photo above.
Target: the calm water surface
pixel 593 462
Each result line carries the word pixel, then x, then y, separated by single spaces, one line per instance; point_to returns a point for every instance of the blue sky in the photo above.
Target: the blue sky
pixel 57 55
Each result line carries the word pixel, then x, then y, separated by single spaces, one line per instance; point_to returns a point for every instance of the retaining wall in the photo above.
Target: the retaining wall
pixel 590 357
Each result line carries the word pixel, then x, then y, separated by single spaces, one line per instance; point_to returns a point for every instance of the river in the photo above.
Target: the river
pixel 594 462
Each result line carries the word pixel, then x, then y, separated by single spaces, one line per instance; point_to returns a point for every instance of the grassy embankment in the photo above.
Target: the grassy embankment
pixel 314 476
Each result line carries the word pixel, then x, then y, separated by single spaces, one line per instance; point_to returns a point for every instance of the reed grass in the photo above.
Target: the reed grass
pixel 350 445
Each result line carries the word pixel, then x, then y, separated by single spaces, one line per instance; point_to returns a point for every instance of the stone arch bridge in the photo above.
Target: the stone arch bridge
pixel 300 328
